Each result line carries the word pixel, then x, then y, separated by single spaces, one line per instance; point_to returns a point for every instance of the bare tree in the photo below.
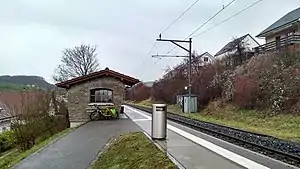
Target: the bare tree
pixel 78 61
pixel 237 53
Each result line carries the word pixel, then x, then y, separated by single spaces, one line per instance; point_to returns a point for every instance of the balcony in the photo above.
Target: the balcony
pixel 278 44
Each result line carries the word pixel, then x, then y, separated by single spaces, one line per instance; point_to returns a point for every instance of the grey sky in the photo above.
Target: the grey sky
pixel 33 33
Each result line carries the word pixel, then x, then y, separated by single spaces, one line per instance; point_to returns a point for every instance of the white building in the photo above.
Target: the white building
pixel 5 118
pixel 284 32
pixel 230 48
pixel 204 58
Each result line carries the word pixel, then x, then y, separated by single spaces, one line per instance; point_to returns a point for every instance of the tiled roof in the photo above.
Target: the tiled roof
pixel 205 54
pixel 13 99
pixel 289 18
pixel 4 111
pixel 106 72
pixel 231 45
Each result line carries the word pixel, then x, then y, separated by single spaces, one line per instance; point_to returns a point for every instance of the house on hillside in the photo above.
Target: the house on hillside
pixel 284 32
pixel 104 86
pixel 247 42
pixel 197 63
pixel 5 117
pixel 12 102
pixel 204 58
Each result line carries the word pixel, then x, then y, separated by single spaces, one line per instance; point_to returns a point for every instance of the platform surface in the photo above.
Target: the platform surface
pixel 196 150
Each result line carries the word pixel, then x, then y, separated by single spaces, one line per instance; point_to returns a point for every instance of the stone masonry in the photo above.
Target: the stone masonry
pixel 79 96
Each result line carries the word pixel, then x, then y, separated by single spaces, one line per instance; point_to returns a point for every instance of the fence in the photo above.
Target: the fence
pixel 278 44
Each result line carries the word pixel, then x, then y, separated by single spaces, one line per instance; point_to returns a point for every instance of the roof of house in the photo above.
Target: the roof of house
pixel 196 59
pixel 205 54
pixel 102 73
pixel 286 20
pixel 14 99
pixel 232 45
pixel 10 100
pixel 4 111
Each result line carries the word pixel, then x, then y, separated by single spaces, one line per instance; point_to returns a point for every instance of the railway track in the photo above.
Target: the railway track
pixel 281 150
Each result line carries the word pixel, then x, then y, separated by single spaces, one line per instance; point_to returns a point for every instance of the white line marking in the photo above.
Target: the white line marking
pixel 146 116
pixel 147 135
pixel 135 120
pixel 217 149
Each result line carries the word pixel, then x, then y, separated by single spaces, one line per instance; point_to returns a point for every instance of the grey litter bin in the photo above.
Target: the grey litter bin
pixel 122 109
pixel 159 121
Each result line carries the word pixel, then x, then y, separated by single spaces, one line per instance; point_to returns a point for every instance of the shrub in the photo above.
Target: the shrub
pixel 225 81
pixel 139 92
pixel 166 89
pixel 245 91
pixel 265 81
pixel 7 141
pixel 35 120
pixel 201 85
pixel 280 83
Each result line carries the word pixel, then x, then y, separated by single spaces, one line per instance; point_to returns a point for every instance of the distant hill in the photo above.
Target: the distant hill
pixel 19 82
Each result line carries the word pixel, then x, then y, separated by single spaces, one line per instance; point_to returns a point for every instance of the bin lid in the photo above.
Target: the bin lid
pixel 159 105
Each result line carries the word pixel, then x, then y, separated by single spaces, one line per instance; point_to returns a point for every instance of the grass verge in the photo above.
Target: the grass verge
pixel 283 126
pixel 15 156
pixel 133 150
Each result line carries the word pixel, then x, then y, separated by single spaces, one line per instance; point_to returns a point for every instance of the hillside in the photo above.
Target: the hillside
pixel 19 82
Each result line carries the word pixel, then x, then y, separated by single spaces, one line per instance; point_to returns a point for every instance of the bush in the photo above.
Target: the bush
pixel 246 90
pixel 36 121
pixel 280 83
pixel 139 92
pixel 7 141
pixel 201 85
pixel 268 81
pixel 166 90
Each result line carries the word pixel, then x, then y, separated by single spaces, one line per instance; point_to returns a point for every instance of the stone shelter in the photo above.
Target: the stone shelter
pixel 104 86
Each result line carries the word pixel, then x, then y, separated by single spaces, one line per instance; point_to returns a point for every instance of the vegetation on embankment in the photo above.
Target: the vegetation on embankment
pixel 259 93
pixel 14 156
pixel 133 150
pixel 38 118
pixel 284 126
pixel 10 86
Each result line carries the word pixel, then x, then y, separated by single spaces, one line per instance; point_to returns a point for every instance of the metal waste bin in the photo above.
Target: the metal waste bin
pixel 159 121
pixel 122 109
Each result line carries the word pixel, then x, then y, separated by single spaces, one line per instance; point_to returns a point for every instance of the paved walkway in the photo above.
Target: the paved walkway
pixel 79 148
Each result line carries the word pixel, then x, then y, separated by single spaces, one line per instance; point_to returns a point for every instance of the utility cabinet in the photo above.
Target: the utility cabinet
pixel 182 100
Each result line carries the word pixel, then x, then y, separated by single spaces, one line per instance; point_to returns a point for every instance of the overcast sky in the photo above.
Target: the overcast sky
pixel 33 33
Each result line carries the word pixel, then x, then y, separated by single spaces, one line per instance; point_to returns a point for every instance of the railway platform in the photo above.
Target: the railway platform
pixel 192 149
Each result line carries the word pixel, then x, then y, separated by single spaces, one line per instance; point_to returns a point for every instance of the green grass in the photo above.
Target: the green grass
pixel 284 126
pixel 11 86
pixel 133 150
pixel 9 159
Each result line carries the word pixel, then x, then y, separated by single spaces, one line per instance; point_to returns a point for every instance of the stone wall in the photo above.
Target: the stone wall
pixel 79 96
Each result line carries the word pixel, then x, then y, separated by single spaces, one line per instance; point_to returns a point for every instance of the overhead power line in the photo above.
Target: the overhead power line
pixel 150 51
pixel 216 14
pixel 168 27
pixel 180 16
pixel 227 19
pixel 224 7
